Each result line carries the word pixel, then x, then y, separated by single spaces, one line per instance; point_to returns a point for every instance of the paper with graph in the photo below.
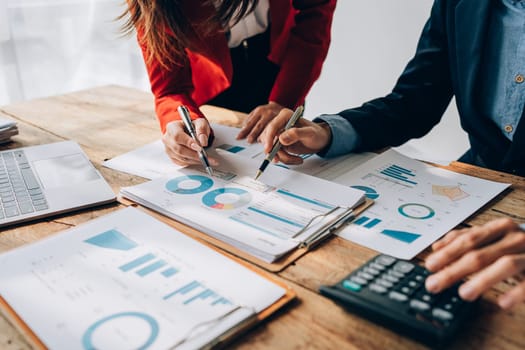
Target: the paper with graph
pixel 263 218
pixel 415 203
pixel 128 281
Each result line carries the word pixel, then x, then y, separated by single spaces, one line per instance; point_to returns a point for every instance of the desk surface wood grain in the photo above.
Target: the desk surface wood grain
pixel 112 120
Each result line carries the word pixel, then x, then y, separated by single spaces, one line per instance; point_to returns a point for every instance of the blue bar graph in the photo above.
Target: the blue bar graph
pixel 169 272
pixel 183 290
pixel 402 236
pixel 361 220
pixel 273 216
pixel 372 223
pixel 221 300
pixel 137 262
pixel 308 200
pixel 207 293
pixel 112 239
pixel 367 222
pixel 399 173
pixel 151 268
pixel 235 149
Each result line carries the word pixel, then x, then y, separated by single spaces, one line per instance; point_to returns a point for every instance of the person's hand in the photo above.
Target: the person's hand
pixel 257 121
pixel 180 147
pixel 305 137
pixel 492 252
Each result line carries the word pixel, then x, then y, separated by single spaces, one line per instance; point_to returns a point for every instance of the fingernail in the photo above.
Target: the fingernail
pixel 194 146
pixel 432 284
pixel 466 292
pixel 203 139
pixel 505 302
pixel 285 137
pixel 431 263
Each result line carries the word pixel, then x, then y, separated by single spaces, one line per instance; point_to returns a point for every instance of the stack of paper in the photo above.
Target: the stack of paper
pixel 8 128
pixel 128 281
pixel 266 218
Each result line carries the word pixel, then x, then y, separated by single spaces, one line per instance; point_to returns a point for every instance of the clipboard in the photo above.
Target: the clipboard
pixel 276 266
pixel 288 297
pixel 32 338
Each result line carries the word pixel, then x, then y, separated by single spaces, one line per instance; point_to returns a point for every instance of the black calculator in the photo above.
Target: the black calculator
pixel 392 292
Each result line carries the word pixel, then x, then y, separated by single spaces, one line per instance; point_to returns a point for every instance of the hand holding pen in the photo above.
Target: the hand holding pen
pixel 277 144
pixel 190 128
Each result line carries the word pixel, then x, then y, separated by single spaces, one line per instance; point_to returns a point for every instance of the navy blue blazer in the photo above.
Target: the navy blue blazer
pixel 446 63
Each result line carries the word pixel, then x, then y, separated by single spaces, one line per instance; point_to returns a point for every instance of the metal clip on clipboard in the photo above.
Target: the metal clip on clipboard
pixel 327 229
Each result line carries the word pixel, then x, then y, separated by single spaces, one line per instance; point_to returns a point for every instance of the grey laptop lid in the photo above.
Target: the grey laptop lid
pixel 49 179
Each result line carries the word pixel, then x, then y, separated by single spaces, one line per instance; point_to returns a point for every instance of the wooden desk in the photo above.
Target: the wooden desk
pixel 111 120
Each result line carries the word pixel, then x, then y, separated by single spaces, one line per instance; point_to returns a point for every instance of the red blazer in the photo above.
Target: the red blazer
pixel 299 41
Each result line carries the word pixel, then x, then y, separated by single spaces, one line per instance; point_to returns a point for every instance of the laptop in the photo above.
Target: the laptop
pixel 45 180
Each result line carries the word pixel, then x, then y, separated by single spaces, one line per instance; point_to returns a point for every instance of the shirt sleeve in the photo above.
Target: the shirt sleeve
pixel 523 226
pixel 345 138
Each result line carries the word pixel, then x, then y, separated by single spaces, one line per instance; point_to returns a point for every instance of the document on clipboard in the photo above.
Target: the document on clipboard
pixel 266 219
pixel 128 281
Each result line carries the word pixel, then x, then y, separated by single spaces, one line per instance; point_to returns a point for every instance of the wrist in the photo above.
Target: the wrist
pixel 326 136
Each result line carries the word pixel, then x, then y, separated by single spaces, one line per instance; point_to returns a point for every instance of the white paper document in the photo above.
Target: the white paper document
pixel 266 218
pixel 128 281
pixel 150 161
pixel 415 204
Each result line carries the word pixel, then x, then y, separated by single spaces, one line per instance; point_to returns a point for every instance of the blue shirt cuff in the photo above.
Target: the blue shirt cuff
pixel 344 137
pixel 522 226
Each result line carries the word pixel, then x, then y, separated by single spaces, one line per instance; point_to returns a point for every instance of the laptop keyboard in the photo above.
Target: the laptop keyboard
pixel 20 192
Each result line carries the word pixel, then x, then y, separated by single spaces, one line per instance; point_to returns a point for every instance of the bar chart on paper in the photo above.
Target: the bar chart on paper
pixel 148 264
pixel 414 203
pixel 128 281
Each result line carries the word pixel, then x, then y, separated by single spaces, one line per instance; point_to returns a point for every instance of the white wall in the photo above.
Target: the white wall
pixel 58 46
pixel 372 41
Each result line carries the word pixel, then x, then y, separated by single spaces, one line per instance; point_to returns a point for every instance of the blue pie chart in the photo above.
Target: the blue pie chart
pixel 369 192
pixel 189 184
pixel 87 338
pixel 236 198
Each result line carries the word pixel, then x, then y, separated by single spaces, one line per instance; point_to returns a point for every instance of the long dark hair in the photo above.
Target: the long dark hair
pixel 165 28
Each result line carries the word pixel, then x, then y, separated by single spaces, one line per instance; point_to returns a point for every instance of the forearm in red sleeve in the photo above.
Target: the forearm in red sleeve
pixel 171 88
pixel 305 53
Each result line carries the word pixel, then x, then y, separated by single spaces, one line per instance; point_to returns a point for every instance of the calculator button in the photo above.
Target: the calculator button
pixel 358 280
pixel 397 296
pixel 429 298
pixel 406 290
pixel 351 286
pixel 413 284
pixel 419 278
pixel 377 266
pixel 390 278
pixel 365 275
pixel 419 305
pixel 396 274
pixel 385 260
pixel 403 267
pixel 371 271
pixel 377 288
pixel 442 315
pixel 384 283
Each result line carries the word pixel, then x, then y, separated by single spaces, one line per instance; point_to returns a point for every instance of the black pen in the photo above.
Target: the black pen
pixel 277 145
pixel 186 119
